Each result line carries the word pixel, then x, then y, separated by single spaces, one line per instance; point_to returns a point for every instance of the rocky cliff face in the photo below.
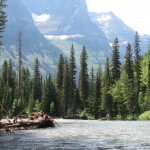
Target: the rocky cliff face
pixel 67 19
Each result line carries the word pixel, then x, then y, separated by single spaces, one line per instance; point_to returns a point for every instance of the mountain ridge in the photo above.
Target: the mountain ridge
pixel 50 27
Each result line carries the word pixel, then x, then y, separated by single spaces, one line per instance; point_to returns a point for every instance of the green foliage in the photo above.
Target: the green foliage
pixel 52 109
pixel 122 93
pixel 72 80
pixel 83 78
pixel 37 91
pixel 137 71
pixel 85 114
pixel 37 106
pixel 132 117
pixel 65 86
pixel 114 92
pixel 106 103
pixel 91 105
pixel 129 62
pixel 15 109
pixel 59 76
pixel 116 64
pixel 31 103
pixel 145 116
pixel 98 92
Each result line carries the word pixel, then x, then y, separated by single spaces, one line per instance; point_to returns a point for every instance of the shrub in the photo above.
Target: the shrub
pixel 145 116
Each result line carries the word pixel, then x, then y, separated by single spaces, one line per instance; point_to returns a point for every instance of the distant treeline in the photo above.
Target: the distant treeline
pixel 118 91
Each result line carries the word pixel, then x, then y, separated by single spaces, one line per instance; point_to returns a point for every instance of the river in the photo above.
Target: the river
pixel 81 134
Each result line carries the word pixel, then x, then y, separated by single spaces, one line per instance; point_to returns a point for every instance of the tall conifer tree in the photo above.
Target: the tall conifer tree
pixel 37 92
pixel 5 72
pixel 91 82
pixel 46 98
pixel 106 103
pixel 72 78
pixel 128 66
pixel 129 62
pixel 137 70
pixel 148 88
pixel 59 80
pixel 26 84
pixel 60 70
pixel 65 87
pixel 83 77
pixel 98 92
pixel 115 64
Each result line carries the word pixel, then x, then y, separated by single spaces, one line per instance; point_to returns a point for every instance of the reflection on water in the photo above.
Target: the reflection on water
pixel 81 134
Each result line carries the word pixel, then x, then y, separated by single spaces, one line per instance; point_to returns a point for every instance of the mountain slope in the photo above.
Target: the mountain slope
pixel 113 26
pixel 34 44
pixel 68 19
pixel 49 27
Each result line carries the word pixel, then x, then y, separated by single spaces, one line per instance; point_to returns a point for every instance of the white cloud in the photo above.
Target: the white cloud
pixel 134 13
pixel 40 18
pixel 63 37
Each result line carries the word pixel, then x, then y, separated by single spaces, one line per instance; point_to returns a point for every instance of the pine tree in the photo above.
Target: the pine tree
pixel 3 17
pixel 15 109
pixel 91 82
pixel 37 93
pixel 5 72
pixel 10 75
pixel 60 69
pixel 31 103
pixel 137 70
pixel 46 97
pixel 129 62
pixel 116 64
pixel 59 80
pixel 65 87
pixel 72 80
pixel 20 64
pixel 127 95
pixel 98 92
pixel 83 78
pixel 128 66
pixel 11 81
pixel 106 103
pixel 49 96
pixel 148 88
pixel 26 87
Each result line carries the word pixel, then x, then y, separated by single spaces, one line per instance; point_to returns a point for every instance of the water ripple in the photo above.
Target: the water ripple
pixel 84 135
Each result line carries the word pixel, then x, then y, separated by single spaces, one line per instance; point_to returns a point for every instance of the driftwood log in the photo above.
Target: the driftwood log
pixel 35 120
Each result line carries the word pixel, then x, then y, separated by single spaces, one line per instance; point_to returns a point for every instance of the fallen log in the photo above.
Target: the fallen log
pixel 38 124
pixel 37 121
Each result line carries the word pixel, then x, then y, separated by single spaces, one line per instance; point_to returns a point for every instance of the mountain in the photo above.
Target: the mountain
pixel 64 22
pixel 34 43
pixel 112 26
pixel 49 27
pixel 67 19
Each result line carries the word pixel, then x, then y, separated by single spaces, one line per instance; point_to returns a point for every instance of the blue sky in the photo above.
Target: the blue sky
pixel 135 13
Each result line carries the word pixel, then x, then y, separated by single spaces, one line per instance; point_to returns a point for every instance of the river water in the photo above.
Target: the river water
pixel 81 134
